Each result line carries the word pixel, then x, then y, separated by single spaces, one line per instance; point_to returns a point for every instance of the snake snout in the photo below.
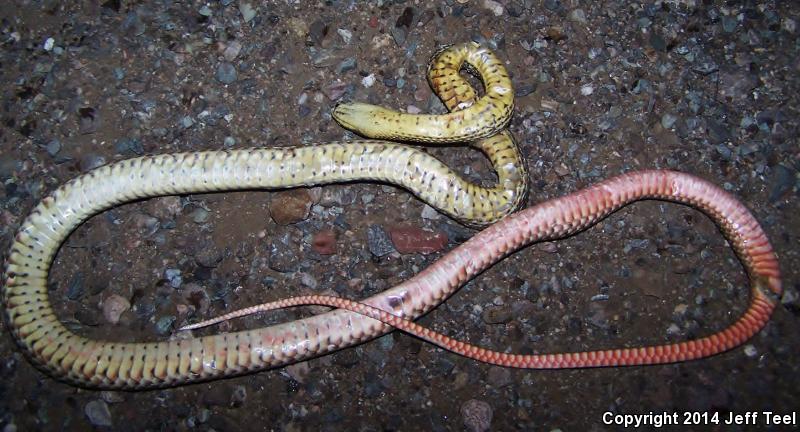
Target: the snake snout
pixel 353 115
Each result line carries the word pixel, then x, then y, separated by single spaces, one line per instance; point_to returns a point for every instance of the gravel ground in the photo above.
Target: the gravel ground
pixel 602 88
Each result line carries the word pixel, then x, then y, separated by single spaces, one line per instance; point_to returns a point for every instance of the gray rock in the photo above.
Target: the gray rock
pixel 164 324
pixel 247 11
pixel 199 215
pixel 226 73
pixel 668 120
pixel 477 415
pixel 346 65
pixel 98 414
pixel 129 145
pixel 737 84
pixel 53 147
pixel 578 16
pixel 378 241
pixel 173 275
pixel 187 122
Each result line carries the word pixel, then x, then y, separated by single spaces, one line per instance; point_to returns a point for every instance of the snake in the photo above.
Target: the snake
pixel 142 365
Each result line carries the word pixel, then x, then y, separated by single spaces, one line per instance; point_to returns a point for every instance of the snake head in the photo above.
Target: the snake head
pixel 365 119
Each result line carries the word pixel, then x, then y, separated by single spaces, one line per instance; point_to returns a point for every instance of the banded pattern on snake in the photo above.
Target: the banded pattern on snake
pixel 102 364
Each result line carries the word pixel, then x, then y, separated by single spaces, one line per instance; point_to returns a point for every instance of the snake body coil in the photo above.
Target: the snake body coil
pixel 102 364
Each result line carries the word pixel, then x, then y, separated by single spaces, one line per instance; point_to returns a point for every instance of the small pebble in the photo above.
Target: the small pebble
pixel 346 35
pixel 239 396
pixel 477 415
pixel 307 280
pixel 430 213
pixel 53 147
pixel 668 120
pixel 290 206
pixel 378 242
pixel 368 81
pixel 335 90
pixel 199 215
pixel 232 50
pixel 346 65
pixel 247 11
pixel 578 16
pixel 174 277
pixel 114 306
pixel 98 413
pixel 164 325
pixel 226 73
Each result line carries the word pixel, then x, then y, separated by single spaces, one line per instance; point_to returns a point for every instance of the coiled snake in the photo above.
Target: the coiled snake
pixel 101 364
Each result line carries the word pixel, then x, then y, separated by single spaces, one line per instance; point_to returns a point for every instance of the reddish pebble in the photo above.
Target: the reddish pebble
pixel 409 240
pixel 324 242
pixel 288 207
pixel 373 21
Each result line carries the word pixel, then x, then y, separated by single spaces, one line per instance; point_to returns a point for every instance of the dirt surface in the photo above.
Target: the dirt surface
pixel 705 87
